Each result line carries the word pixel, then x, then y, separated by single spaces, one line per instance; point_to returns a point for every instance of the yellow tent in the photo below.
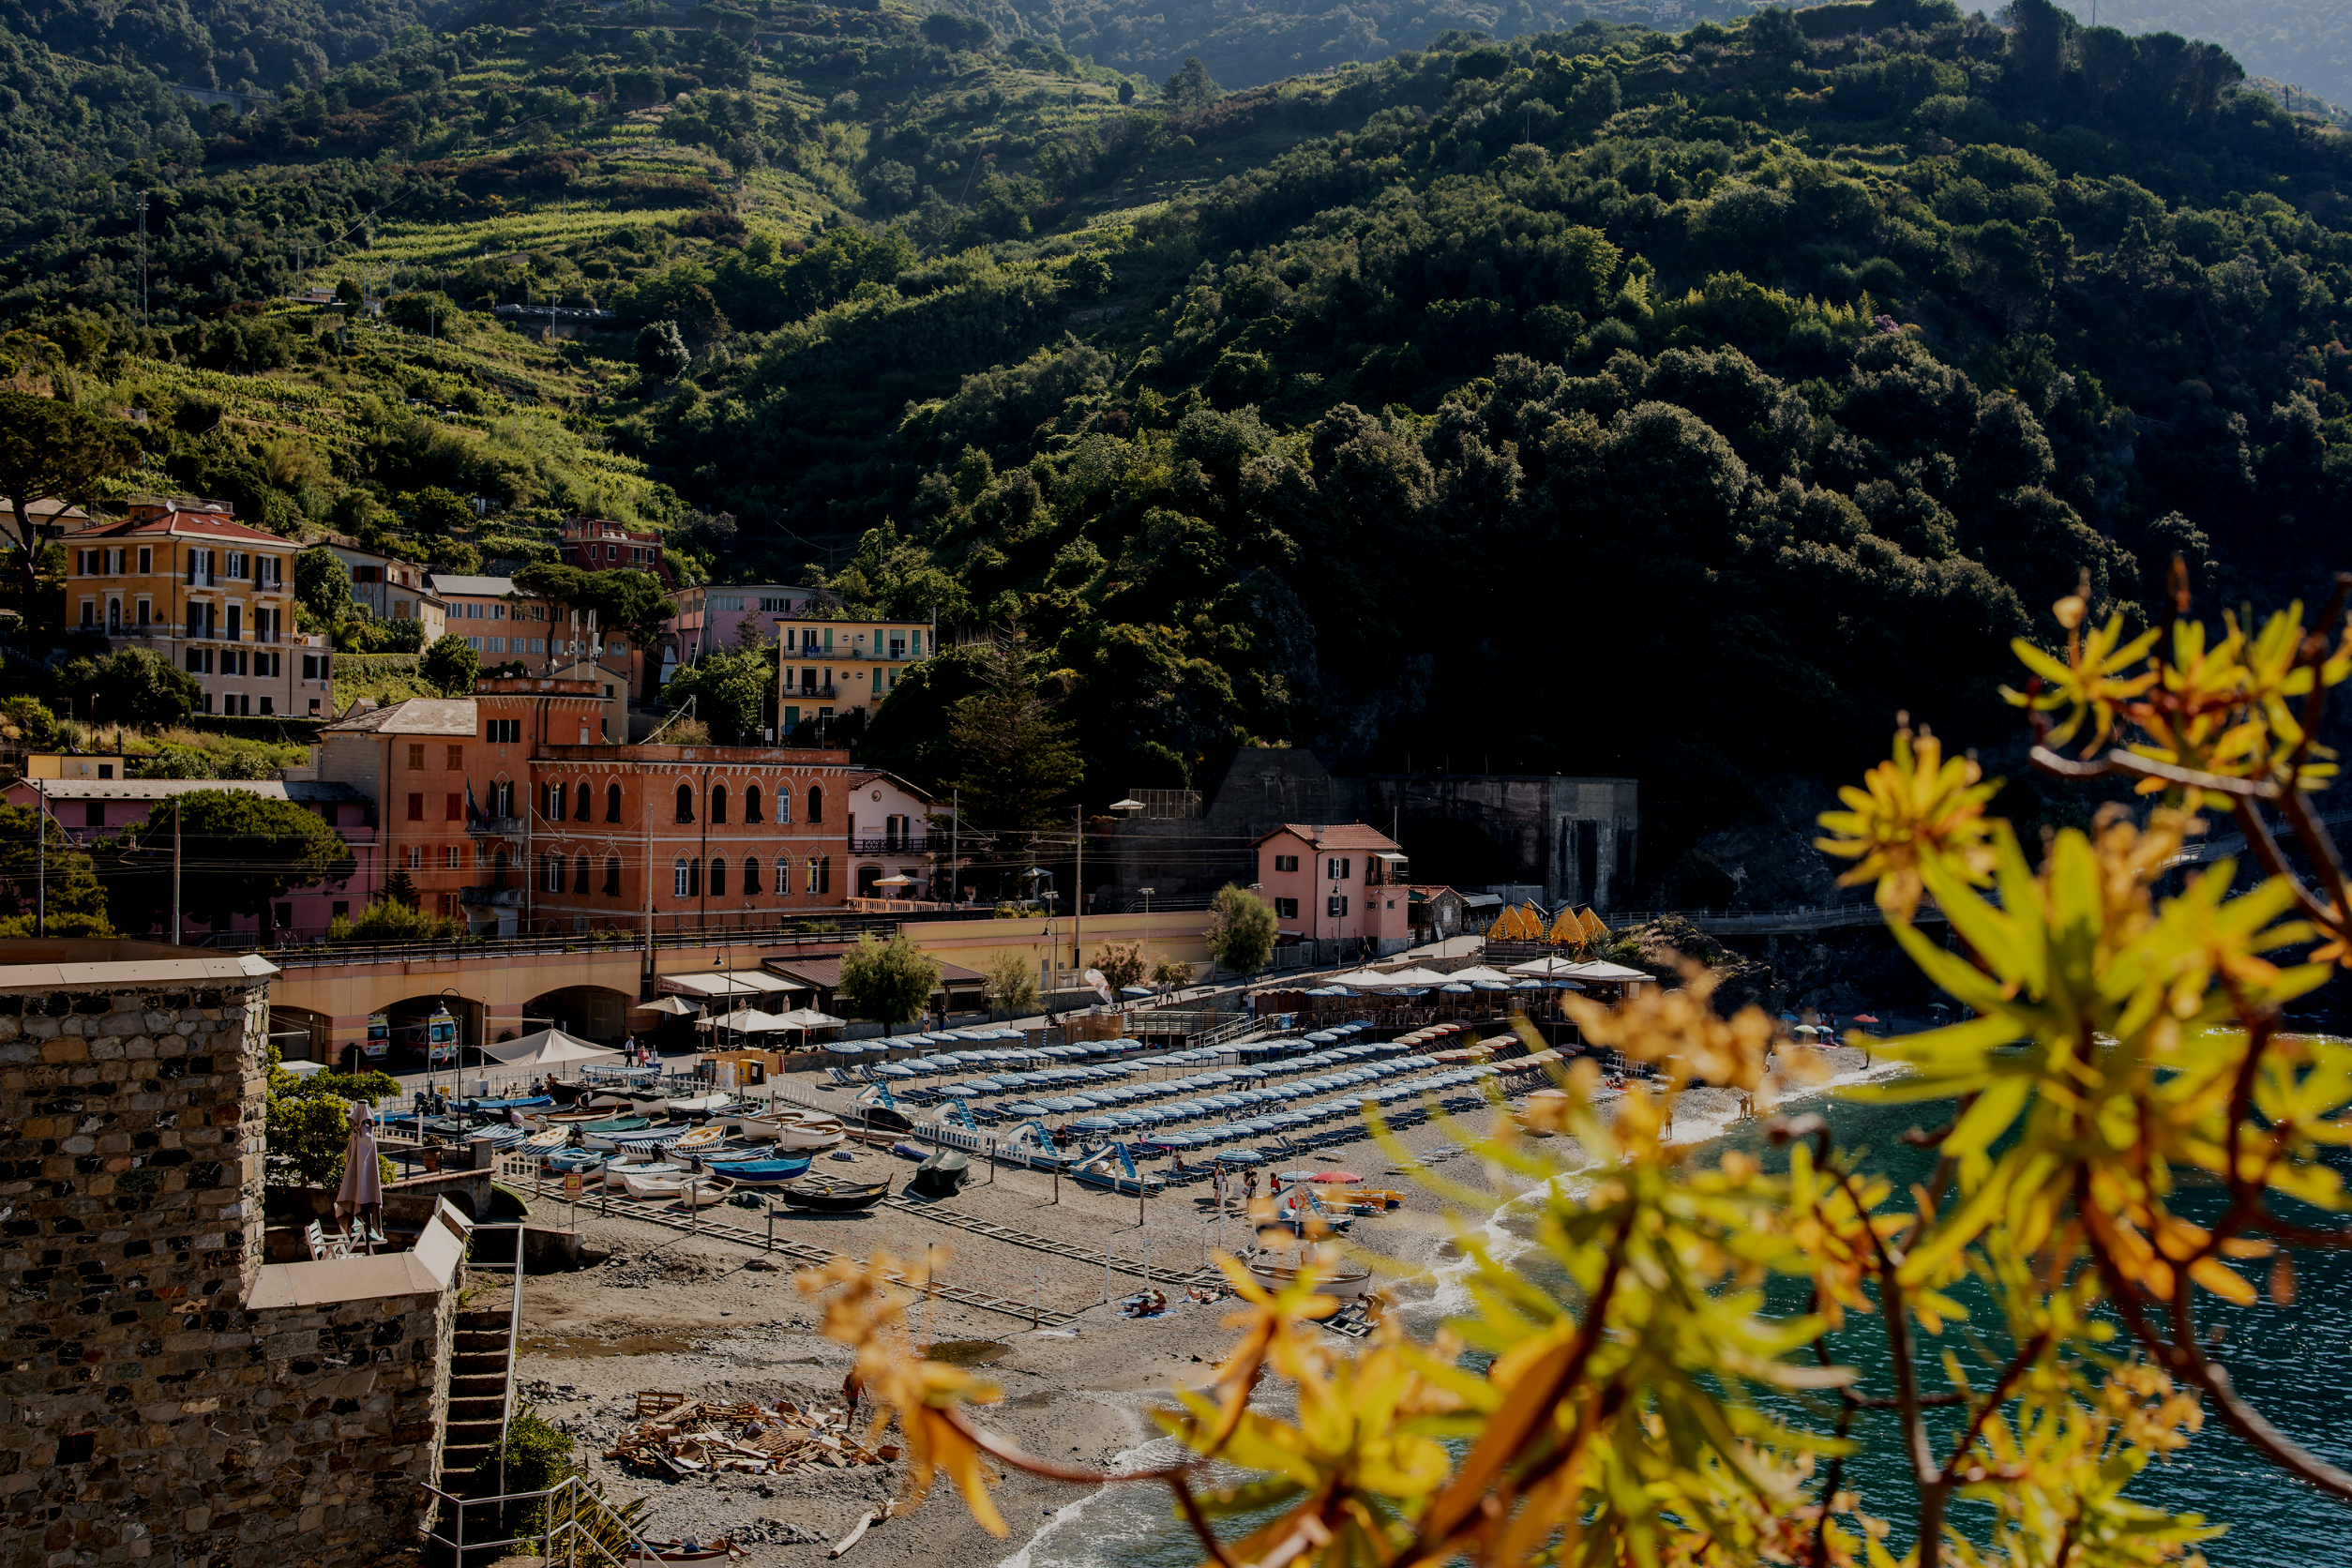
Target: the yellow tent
pixel 1531 922
pixel 1496 932
pixel 1567 932
pixel 1593 929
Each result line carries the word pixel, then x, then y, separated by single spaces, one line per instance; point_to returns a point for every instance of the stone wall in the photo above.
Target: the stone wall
pixel 146 1415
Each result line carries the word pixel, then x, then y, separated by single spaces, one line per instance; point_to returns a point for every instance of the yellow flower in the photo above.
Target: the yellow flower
pixel 1914 808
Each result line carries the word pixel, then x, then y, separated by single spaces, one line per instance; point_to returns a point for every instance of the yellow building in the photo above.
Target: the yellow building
pixel 827 670
pixel 184 579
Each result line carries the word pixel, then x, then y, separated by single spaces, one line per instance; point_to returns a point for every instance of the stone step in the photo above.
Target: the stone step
pixel 487 1408
pixel 477 1386
pixel 474 1317
pixel 481 1340
pixel 478 1364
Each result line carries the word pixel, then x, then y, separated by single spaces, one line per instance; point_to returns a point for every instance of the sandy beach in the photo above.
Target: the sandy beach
pixel 712 1318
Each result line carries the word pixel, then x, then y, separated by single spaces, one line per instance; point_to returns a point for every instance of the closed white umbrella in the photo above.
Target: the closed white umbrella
pixel 363 1184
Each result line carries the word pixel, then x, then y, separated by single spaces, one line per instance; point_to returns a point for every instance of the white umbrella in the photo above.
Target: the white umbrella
pixel 549 1047
pixel 808 1017
pixel 363 1184
pixel 671 1004
pixel 1476 972
pixel 1365 980
pixel 1547 967
pixel 746 1021
pixel 1613 973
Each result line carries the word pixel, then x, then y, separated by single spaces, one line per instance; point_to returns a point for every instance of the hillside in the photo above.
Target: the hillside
pixel 1606 402
pixel 2307 44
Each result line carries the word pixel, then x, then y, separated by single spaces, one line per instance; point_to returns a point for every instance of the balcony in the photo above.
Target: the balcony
pixel 813 694
pixel 494 827
pixel 904 843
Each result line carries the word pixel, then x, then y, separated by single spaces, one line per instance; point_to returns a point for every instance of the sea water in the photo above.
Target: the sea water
pixel 2293 1364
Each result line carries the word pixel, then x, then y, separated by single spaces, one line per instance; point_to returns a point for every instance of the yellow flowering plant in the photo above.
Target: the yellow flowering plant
pixel 1674 1375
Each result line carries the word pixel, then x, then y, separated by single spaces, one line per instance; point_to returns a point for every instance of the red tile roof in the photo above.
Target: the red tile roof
pixel 1338 836
pixel 181 525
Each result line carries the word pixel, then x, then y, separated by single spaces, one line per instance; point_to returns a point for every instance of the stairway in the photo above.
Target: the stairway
pixel 477 1393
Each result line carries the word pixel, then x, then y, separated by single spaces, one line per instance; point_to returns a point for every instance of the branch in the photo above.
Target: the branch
pixel 2187 1361
pixel 2016 1368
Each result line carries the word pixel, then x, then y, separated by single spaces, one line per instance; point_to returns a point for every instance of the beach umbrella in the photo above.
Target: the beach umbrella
pixel 1865 1017
pixel 671 1005
pixel 1335 1176
pixel 895 1070
pixel 1456 991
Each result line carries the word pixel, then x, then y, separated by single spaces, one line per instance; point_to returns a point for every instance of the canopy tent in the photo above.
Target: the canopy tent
pixel 549 1047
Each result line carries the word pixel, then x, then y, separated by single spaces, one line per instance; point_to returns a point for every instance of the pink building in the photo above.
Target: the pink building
pixel 1342 883
pixel 89 810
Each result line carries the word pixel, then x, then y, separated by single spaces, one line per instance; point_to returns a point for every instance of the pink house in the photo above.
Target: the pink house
pixel 1343 882
pixel 89 810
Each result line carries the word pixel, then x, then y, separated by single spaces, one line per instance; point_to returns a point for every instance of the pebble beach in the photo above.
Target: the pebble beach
pixel 711 1319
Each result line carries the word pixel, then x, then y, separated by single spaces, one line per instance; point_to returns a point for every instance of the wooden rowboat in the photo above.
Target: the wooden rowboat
pixel 700 1139
pixel 832 1196
pixel 1280 1271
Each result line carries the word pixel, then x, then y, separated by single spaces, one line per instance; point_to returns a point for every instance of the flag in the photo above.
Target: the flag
pixel 472 812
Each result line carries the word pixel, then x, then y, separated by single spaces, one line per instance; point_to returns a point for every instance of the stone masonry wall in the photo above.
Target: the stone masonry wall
pixel 146 1415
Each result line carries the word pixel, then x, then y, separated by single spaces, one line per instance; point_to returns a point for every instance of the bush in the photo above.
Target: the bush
pixel 451 666
pixel 1241 930
pixel 392 920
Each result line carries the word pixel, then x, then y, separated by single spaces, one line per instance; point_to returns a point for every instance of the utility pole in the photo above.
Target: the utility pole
pixel 1077 897
pixel 40 859
pixel 142 259
pixel 955 839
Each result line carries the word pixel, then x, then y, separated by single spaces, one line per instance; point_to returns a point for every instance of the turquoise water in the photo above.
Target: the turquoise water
pixel 2294 1365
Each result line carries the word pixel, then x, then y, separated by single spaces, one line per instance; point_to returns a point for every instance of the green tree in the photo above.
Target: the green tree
pixel 733 690
pixel 1241 930
pixel 53 875
pixel 401 888
pixel 1018 759
pixel 1012 982
pixel 239 853
pixel 628 602
pixel 450 665
pixel 309 1123
pixel 132 687
pixel 323 585
pixel 436 509
pixel 52 449
pixel 887 981
pixel 661 351
pixel 1190 87
pixel 27 719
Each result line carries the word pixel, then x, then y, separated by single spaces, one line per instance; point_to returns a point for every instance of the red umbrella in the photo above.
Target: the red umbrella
pixel 1865 1017
pixel 1336 1176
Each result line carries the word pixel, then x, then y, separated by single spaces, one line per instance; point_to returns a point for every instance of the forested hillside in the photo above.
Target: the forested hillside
pixel 2306 43
pixel 249 44
pixel 1605 402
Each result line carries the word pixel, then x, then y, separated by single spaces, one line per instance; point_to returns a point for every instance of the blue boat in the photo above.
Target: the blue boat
pixel 764 1173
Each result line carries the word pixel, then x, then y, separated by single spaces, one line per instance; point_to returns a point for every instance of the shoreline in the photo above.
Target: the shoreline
pixel 703 1317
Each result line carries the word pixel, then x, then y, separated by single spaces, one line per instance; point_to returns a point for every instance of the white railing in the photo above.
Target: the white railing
pixel 563 1535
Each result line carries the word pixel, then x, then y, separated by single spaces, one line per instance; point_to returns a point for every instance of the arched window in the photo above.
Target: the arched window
pixel 718 878
pixel 587 802
pixel 555 873
pixel 784 805
pixel 751 802
pixel 553 806
pixel 718 803
pixel 612 876
pixel 580 870
pixel 613 803
pixel 685 803
pixel 678 878
pixel 816 804
pixel 783 873
pixel 750 877
pixel 694 879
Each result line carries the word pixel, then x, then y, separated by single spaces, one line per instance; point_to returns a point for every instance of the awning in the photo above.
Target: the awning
pixel 734 982
pixel 1391 857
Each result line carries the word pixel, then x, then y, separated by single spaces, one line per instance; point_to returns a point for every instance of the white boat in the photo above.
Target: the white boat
pixel 701 1105
pixel 695 1192
pixel 1278 1271
pixel 616 1176
pixel 548 1141
pixel 794 1129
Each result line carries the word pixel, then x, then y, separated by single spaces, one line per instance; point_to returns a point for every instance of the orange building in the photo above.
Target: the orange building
pixel 508 809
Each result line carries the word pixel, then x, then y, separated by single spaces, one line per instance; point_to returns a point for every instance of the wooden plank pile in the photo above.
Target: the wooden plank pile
pixel 684 1435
